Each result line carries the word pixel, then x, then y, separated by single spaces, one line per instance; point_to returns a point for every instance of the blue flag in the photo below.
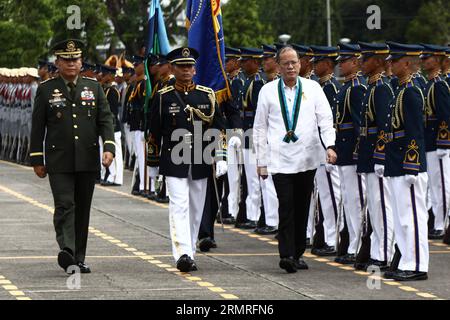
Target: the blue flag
pixel 205 34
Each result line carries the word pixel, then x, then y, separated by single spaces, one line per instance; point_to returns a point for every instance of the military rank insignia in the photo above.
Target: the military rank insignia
pixel 411 161
pixel 57 99
pixel 443 135
pixel 87 94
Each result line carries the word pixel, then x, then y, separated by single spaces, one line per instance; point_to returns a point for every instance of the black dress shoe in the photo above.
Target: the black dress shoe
pixel 346 259
pixel 446 239
pixel 401 275
pixel 382 265
pixel 136 192
pixel 247 225
pixel 84 268
pixel 66 259
pixel 436 234
pixel 151 196
pixel 184 263
pixel 266 230
pixel 288 264
pixel 193 266
pixel 228 219
pixel 324 252
pixel 162 199
pixel 205 244
pixel 300 264
pixel 214 244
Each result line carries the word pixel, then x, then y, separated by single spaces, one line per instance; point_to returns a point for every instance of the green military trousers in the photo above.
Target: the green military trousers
pixel 72 195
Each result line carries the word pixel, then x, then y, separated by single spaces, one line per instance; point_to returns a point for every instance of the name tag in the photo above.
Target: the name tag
pixel 174 109
pixel 203 106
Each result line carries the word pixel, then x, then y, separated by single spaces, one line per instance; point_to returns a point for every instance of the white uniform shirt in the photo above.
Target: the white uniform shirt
pixel 307 152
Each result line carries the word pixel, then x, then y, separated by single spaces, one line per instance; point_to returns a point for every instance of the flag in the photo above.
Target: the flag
pixel 156 42
pixel 205 34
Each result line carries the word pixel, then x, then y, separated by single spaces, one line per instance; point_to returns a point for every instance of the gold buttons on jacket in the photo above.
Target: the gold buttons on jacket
pixel 75 126
pixel 74 115
pixel 76 137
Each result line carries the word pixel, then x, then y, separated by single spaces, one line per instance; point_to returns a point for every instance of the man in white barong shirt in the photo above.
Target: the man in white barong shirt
pixel 290 148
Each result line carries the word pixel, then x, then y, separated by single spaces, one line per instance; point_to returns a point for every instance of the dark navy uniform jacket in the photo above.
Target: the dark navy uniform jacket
pixel 113 97
pixel 136 118
pixel 375 117
pixel 405 150
pixel 420 81
pixel 437 112
pixel 126 108
pixel 348 107
pixel 330 88
pixel 168 114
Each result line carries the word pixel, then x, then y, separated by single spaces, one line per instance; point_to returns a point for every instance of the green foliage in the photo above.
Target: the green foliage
pixel 242 25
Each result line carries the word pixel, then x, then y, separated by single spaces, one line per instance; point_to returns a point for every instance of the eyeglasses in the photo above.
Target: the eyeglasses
pixel 289 63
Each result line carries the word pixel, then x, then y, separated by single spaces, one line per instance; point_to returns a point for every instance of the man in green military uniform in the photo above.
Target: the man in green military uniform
pixel 70 113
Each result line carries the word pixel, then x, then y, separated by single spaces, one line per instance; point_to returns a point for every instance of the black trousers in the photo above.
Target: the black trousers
pixel 210 208
pixel 294 197
pixel 72 195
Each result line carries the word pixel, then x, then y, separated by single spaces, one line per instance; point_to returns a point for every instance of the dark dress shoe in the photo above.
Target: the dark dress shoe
pixel 288 264
pixel 247 225
pixel 66 259
pixel 324 252
pixel 193 266
pixel 184 263
pixel 300 264
pixel 382 265
pixel 346 259
pixel 136 192
pixel 401 275
pixel 84 268
pixel 214 244
pixel 162 199
pixel 151 196
pixel 436 234
pixel 227 220
pixel 205 244
pixel 266 230
pixel 447 236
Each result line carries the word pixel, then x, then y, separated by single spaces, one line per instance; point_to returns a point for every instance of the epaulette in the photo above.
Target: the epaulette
pixel 204 89
pixel 166 89
pixel 47 80
pixel 89 78
pixel 356 82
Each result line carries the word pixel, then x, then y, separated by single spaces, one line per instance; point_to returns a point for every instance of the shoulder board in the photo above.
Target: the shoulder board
pixel 166 89
pixel 204 89
pixel 89 78
pixel 47 80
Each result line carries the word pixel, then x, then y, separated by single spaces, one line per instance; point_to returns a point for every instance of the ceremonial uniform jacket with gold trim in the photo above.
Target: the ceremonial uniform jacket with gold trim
pixel 405 150
pixel 70 128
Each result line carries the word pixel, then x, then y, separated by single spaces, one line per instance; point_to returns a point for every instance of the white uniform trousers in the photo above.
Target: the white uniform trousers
pixel 328 185
pixel 410 222
pixel 254 186
pixel 187 199
pixel 116 167
pixel 140 157
pixel 353 191
pixel 129 140
pixel 233 180
pixel 379 205
pixel 439 183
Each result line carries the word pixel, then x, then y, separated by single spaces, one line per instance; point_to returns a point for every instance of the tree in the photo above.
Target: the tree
pixel 242 26
pixel 432 24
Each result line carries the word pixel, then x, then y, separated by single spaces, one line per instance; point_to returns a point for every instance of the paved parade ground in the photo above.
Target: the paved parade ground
pixel 130 256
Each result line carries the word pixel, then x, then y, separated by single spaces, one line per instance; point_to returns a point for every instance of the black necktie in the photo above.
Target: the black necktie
pixel 71 85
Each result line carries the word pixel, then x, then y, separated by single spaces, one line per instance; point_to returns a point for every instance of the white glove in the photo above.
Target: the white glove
pixel 221 168
pixel 379 170
pixel 411 179
pixel 329 167
pixel 441 153
pixel 234 142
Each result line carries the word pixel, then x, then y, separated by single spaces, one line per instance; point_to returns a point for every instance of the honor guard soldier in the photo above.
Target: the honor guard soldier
pixel 236 81
pixel 126 110
pixel 437 137
pixel 372 138
pixel 327 175
pixel 446 75
pixel 256 187
pixel 417 75
pixel 348 118
pixel 114 176
pixel 88 70
pixel 405 167
pixel 185 161
pixel 136 120
pixel 42 70
pixel 270 65
pixel 70 112
pixel 305 54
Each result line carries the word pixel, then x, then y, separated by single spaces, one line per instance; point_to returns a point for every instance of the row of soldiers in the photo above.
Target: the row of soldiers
pixel 360 207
